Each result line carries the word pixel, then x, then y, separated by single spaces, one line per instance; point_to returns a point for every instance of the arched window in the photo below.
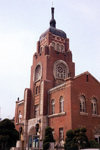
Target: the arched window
pixel 36 111
pixel 20 117
pixel 53 44
pixel 82 104
pixel 62 49
pixel 61 104
pixel 58 47
pixel 94 105
pixel 60 70
pixel 52 107
pixel 37 72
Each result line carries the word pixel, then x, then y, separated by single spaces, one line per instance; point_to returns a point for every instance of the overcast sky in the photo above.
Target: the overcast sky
pixel 21 24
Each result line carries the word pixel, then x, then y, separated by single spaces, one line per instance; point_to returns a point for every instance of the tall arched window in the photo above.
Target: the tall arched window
pixel 38 72
pixel 62 49
pixel 36 111
pixel 58 47
pixel 52 107
pixel 53 44
pixel 20 117
pixel 94 105
pixel 61 104
pixel 82 104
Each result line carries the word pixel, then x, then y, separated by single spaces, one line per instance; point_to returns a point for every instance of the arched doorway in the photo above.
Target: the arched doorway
pixel 33 138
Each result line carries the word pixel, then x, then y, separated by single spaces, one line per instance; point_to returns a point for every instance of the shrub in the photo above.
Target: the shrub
pixel 94 144
pixel 48 138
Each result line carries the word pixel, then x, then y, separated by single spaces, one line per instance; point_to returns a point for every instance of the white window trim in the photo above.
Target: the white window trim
pixel 57 115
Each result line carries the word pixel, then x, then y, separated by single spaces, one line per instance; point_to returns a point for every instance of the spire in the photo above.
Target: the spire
pixel 52 21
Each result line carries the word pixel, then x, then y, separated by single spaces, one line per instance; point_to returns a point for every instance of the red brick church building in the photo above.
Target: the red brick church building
pixel 56 97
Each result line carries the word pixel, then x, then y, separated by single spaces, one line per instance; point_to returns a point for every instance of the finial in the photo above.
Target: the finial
pixel 52 12
pixel 18 99
pixel 52 3
pixel 52 21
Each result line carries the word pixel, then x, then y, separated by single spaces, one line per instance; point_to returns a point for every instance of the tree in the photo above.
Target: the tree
pixel 48 138
pixel 70 141
pixel 94 144
pixel 76 139
pixel 8 134
pixel 81 138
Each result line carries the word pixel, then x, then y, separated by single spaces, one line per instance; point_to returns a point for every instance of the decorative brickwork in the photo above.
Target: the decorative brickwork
pixel 56 97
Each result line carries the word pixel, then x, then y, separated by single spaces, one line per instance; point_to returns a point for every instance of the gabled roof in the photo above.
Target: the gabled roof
pixel 86 73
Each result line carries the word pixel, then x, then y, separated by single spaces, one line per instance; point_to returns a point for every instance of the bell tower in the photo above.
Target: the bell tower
pixel 52 65
pixel 54 96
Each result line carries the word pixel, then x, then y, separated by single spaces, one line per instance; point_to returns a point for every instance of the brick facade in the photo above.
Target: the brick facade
pixel 56 97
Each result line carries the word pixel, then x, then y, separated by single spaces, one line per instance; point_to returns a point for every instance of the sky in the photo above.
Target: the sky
pixel 21 24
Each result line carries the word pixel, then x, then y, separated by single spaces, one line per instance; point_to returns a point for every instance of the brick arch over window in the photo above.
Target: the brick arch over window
pixel 94 105
pixel 61 104
pixel 82 103
pixel 60 70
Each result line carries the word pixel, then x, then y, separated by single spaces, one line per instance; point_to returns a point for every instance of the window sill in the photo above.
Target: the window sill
pixel 19 123
pixel 95 115
pixel 57 115
pixel 84 113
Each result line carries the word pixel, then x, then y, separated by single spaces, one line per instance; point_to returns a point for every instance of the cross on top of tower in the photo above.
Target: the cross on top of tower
pixel 52 3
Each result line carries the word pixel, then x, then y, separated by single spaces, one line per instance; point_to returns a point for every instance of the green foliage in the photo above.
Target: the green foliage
pixel 8 134
pixel 70 141
pixel 48 138
pixel 70 134
pixel 46 145
pixel 76 139
pixel 83 130
pixel 94 144
pixel 81 138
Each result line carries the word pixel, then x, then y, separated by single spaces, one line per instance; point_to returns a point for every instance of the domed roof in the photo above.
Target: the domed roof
pixel 52 28
pixel 54 31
